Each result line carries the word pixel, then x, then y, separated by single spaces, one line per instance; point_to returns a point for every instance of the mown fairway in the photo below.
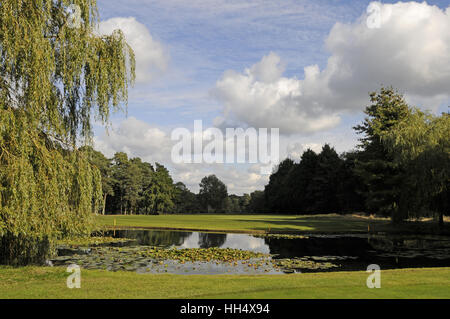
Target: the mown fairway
pixel 250 223
pixel 40 282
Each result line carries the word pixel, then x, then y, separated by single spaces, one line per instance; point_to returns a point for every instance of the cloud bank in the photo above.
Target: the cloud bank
pixel 410 51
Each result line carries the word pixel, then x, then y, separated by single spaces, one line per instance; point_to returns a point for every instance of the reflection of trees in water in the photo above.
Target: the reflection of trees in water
pixel 317 246
pixel 284 247
pixel 166 238
pixel 401 242
pixel 208 240
pixel 155 237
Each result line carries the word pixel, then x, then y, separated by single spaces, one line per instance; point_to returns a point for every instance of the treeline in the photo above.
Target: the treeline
pixel 132 186
pixel 317 183
pixel 400 169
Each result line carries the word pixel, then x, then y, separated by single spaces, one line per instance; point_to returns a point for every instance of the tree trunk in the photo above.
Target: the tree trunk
pixel 441 219
pixel 104 204
pixel 398 215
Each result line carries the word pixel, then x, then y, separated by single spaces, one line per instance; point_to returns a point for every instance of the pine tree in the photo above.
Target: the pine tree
pixel 162 190
pixel 300 181
pixel 120 176
pixel 350 188
pixel 277 192
pixel 382 177
pixel 324 183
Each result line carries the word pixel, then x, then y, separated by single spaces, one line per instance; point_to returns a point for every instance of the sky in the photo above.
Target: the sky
pixel 302 66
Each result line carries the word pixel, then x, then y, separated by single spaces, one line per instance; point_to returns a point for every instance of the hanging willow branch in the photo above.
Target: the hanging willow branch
pixel 53 78
pixel 65 78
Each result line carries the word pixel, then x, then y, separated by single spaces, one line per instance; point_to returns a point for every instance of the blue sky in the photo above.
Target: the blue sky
pixel 203 39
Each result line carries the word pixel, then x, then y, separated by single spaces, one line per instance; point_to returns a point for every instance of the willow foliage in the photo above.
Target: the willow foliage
pixel 55 75
pixel 421 143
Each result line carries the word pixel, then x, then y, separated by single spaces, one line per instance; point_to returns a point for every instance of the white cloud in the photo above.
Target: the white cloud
pixel 239 179
pixel 410 51
pixel 136 138
pixel 151 57
pixel 260 97
pixel 268 70
pixel 295 150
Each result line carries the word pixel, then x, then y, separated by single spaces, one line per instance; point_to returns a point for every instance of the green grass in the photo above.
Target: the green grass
pixel 40 282
pixel 249 223
pixel 281 224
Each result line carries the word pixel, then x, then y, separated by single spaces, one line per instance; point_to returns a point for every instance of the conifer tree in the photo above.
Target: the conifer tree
pixel 376 167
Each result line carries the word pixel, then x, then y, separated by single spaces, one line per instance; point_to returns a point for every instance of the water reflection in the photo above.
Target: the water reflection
pixel 178 239
pixel 318 246
pixel 208 240
pixel 392 250
pixel 158 238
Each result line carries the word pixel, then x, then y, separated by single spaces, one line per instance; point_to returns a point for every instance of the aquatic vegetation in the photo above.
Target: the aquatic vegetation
pixel 90 241
pixel 157 259
pixel 303 263
pixel 202 254
pixel 150 254
pixel 153 259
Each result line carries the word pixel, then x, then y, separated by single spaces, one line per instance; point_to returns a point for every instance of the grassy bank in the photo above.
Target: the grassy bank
pixel 267 223
pixel 40 282
pixel 247 223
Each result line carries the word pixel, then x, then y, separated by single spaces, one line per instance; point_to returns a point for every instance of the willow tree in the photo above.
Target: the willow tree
pixel 56 75
pixel 421 144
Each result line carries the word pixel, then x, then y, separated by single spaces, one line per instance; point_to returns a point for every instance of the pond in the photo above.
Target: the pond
pixel 268 254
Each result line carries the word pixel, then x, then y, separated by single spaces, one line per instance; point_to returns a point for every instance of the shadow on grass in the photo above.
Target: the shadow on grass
pixel 317 224
pixel 346 224
pixel 289 224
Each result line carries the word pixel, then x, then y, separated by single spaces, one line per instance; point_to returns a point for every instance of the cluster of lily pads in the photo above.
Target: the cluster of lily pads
pixel 193 260
pixel 291 264
pixel 157 259
pixel 200 254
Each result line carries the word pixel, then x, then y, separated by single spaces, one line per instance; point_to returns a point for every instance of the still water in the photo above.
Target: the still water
pixel 179 239
pixel 309 253
pixel 352 251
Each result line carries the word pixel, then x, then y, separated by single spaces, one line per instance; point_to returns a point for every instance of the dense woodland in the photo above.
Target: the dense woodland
pixel 380 177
